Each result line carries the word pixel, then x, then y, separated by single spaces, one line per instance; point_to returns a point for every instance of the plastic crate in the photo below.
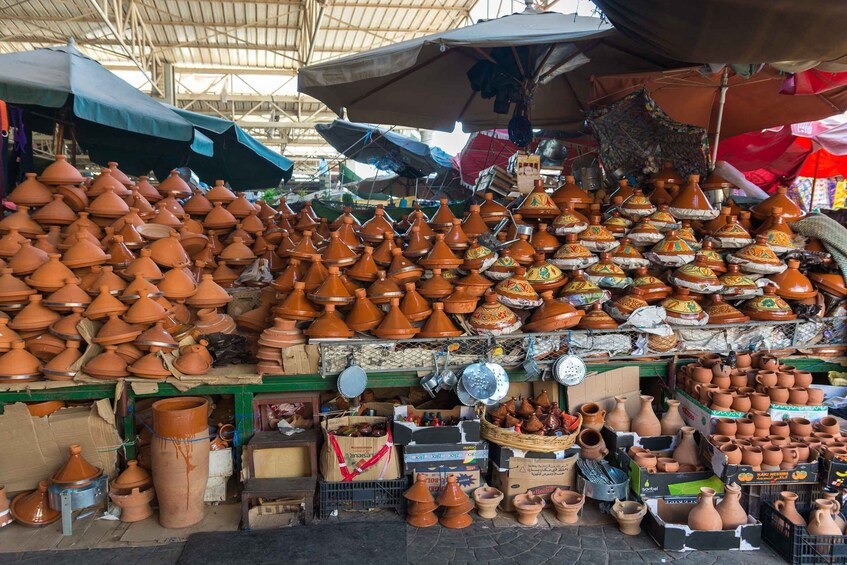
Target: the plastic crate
pixel 754 497
pixel 362 495
pixel 795 544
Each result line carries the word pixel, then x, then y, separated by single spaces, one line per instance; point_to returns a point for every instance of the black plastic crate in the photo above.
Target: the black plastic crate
pixel 754 497
pixel 362 495
pixel 795 544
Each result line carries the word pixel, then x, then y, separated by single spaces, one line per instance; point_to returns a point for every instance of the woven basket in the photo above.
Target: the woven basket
pixel 527 442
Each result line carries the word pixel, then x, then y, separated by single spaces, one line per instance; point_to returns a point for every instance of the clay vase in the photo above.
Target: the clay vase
pixel 618 419
pixel 629 515
pixel 528 506
pixel 180 454
pixel 646 423
pixel 704 516
pixel 486 500
pixel 730 510
pixel 786 506
pixel 592 416
pixel 567 504
pixel 686 450
pixel 821 520
pixel 672 421
pixel 592 444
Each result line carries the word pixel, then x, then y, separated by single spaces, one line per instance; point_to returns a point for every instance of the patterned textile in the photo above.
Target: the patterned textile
pixel 636 135
pixel 832 234
pixel 825 193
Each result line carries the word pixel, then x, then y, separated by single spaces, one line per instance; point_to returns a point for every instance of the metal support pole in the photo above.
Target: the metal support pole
pixel 170 84
pixel 721 103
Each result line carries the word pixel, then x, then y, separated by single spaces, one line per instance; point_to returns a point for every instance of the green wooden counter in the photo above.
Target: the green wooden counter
pixel 243 394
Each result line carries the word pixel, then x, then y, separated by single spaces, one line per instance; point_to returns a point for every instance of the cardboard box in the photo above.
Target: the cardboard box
pixel 745 475
pixel 603 387
pixel 35 447
pixel 833 473
pixel 466 431
pixel 783 412
pixel 282 462
pixel 421 456
pixel 301 359
pixel 500 456
pixel 624 440
pixel 667 523
pixel 220 470
pixel 468 477
pixel 646 484
pixel 539 476
pixel 356 451
pixel 700 417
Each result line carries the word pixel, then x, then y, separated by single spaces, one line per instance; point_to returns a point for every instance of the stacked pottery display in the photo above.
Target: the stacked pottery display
pixel 133 492
pixel 420 510
pixel 456 506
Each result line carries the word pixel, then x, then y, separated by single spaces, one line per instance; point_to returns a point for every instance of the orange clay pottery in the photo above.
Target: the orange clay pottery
pixel 629 515
pixel 704 516
pixel 419 512
pixel 76 471
pixel 209 294
pixel 329 325
pixel 180 459
pixel 487 499
pixel 107 365
pixel 395 325
pixel 364 315
pixel 494 318
pixel 32 508
pixel 439 324
pixel 528 506
pixel 457 505
pixel 567 505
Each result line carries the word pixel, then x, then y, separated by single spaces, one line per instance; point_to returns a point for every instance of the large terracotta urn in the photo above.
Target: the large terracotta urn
pixel 180 453
pixel 672 421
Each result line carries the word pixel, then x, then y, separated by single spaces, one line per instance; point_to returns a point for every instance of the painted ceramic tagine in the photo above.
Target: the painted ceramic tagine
pixel 596 237
pixel 757 258
pixel 691 203
pixel 662 220
pixel 606 274
pixel 538 204
pixel 580 291
pixel 653 288
pixel 672 251
pixel 645 233
pixel 493 318
pixel 768 307
pixel 517 292
pixel 682 310
pixel 637 205
pixel 627 256
pixel 696 277
pixel 573 254
pixel 543 275
pixel 597 319
pixel 622 307
pixel 569 221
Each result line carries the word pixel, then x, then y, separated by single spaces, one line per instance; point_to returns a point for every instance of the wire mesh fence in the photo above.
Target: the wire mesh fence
pixel 512 350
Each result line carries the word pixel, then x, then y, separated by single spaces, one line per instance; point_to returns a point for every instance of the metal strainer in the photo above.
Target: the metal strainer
pixel 569 370
pixel 479 381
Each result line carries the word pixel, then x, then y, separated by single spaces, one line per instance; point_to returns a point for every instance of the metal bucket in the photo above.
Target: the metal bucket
pixel 604 491
pixel 591 178
pixel 89 495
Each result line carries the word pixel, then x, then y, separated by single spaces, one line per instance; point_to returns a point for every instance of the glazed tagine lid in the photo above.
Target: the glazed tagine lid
pixel 492 211
pixel 768 307
pixel 13 289
pixel 440 256
pixel 628 256
pixel 76 470
pixel 792 284
pixel 115 330
pixel 133 477
pixel 660 195
pixel 580 291
pixel 503 266
pixel 66 327
pixel 329 325
pixel 654 289
pixel 150 366
pixel 538 204
pixel 443 218
pixel 736 282
pixel 571 194
pixel 553 315
pixel 661 218
pixel 791 212
pixel 637 205
pixel 673 246
pixel 494 318
pixel 682 309
pixel 543 241
pixel 414 306
pixel 478 256
pixel 645 233
pixel 517 287
pixel 364 315
pixel 569 221
pixel 596 237
pixel 732 234
pixel 436 286
pixel 456 239
pixel 174 183
pixel 697 276
pixel 439 324
pixel 597 319
pixel 18 362
pixel 832 283
pixel 691 203
pixel 543 275
pixel 606 273
pixel 758 257
pixel 395 325
pixel 716 182
pixel 573 254
pixel 84 253
pixel 33 507
pixel 722 313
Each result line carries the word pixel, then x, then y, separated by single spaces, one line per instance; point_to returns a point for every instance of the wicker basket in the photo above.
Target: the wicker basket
pixel 527 442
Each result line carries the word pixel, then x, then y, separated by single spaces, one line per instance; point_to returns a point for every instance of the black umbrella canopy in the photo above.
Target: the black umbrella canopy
pixel 426 82
pixel 384 149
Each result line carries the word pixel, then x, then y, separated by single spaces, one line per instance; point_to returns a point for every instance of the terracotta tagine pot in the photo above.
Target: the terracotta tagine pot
pixel 76 471
pixel 107 365
pixel 722 313
pixel 553 315
pixel 457 505
pixel 329 325
pixel 439 325
pixel 596 237
pixel 517 292
pixel 691 203
pixel 768 307
pixel 571 194
pixel 474 283
pixel 672 251
pixel 395 325
pixel 364 315
pixel 791 212
pixel 653 288
pixel 209 294
pixel 681 309
pixel 528 506
pixel 832 283
pixel 792 284
pixel 629 515
pixel 621 308
pixel 758 258
pixel 414 306
pixel 487 499
pixel 419 511
pixel 492 211
pixel 573 254
pixel 32 508
pixel 383 290
pixel 296 306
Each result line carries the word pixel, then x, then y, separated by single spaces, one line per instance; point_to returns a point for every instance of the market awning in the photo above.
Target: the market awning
pixel 386 150
pixel 752 104
pixel 424 82
pixel 66 83
pixel 735 31
pixel 239 158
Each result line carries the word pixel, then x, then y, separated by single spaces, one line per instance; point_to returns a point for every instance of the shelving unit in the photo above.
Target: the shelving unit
pixel 243 394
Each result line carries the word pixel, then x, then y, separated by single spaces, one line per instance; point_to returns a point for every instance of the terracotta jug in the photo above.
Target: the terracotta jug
pixel 618 419
pixel 646 423
pixel 730 510
pixel 592 416
pixel 786 506
pixel 686 450
pixel 829 493
pixel 821 520
pixel 592 444
pixel 704 516
pixel 180 452
pixel 672 421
